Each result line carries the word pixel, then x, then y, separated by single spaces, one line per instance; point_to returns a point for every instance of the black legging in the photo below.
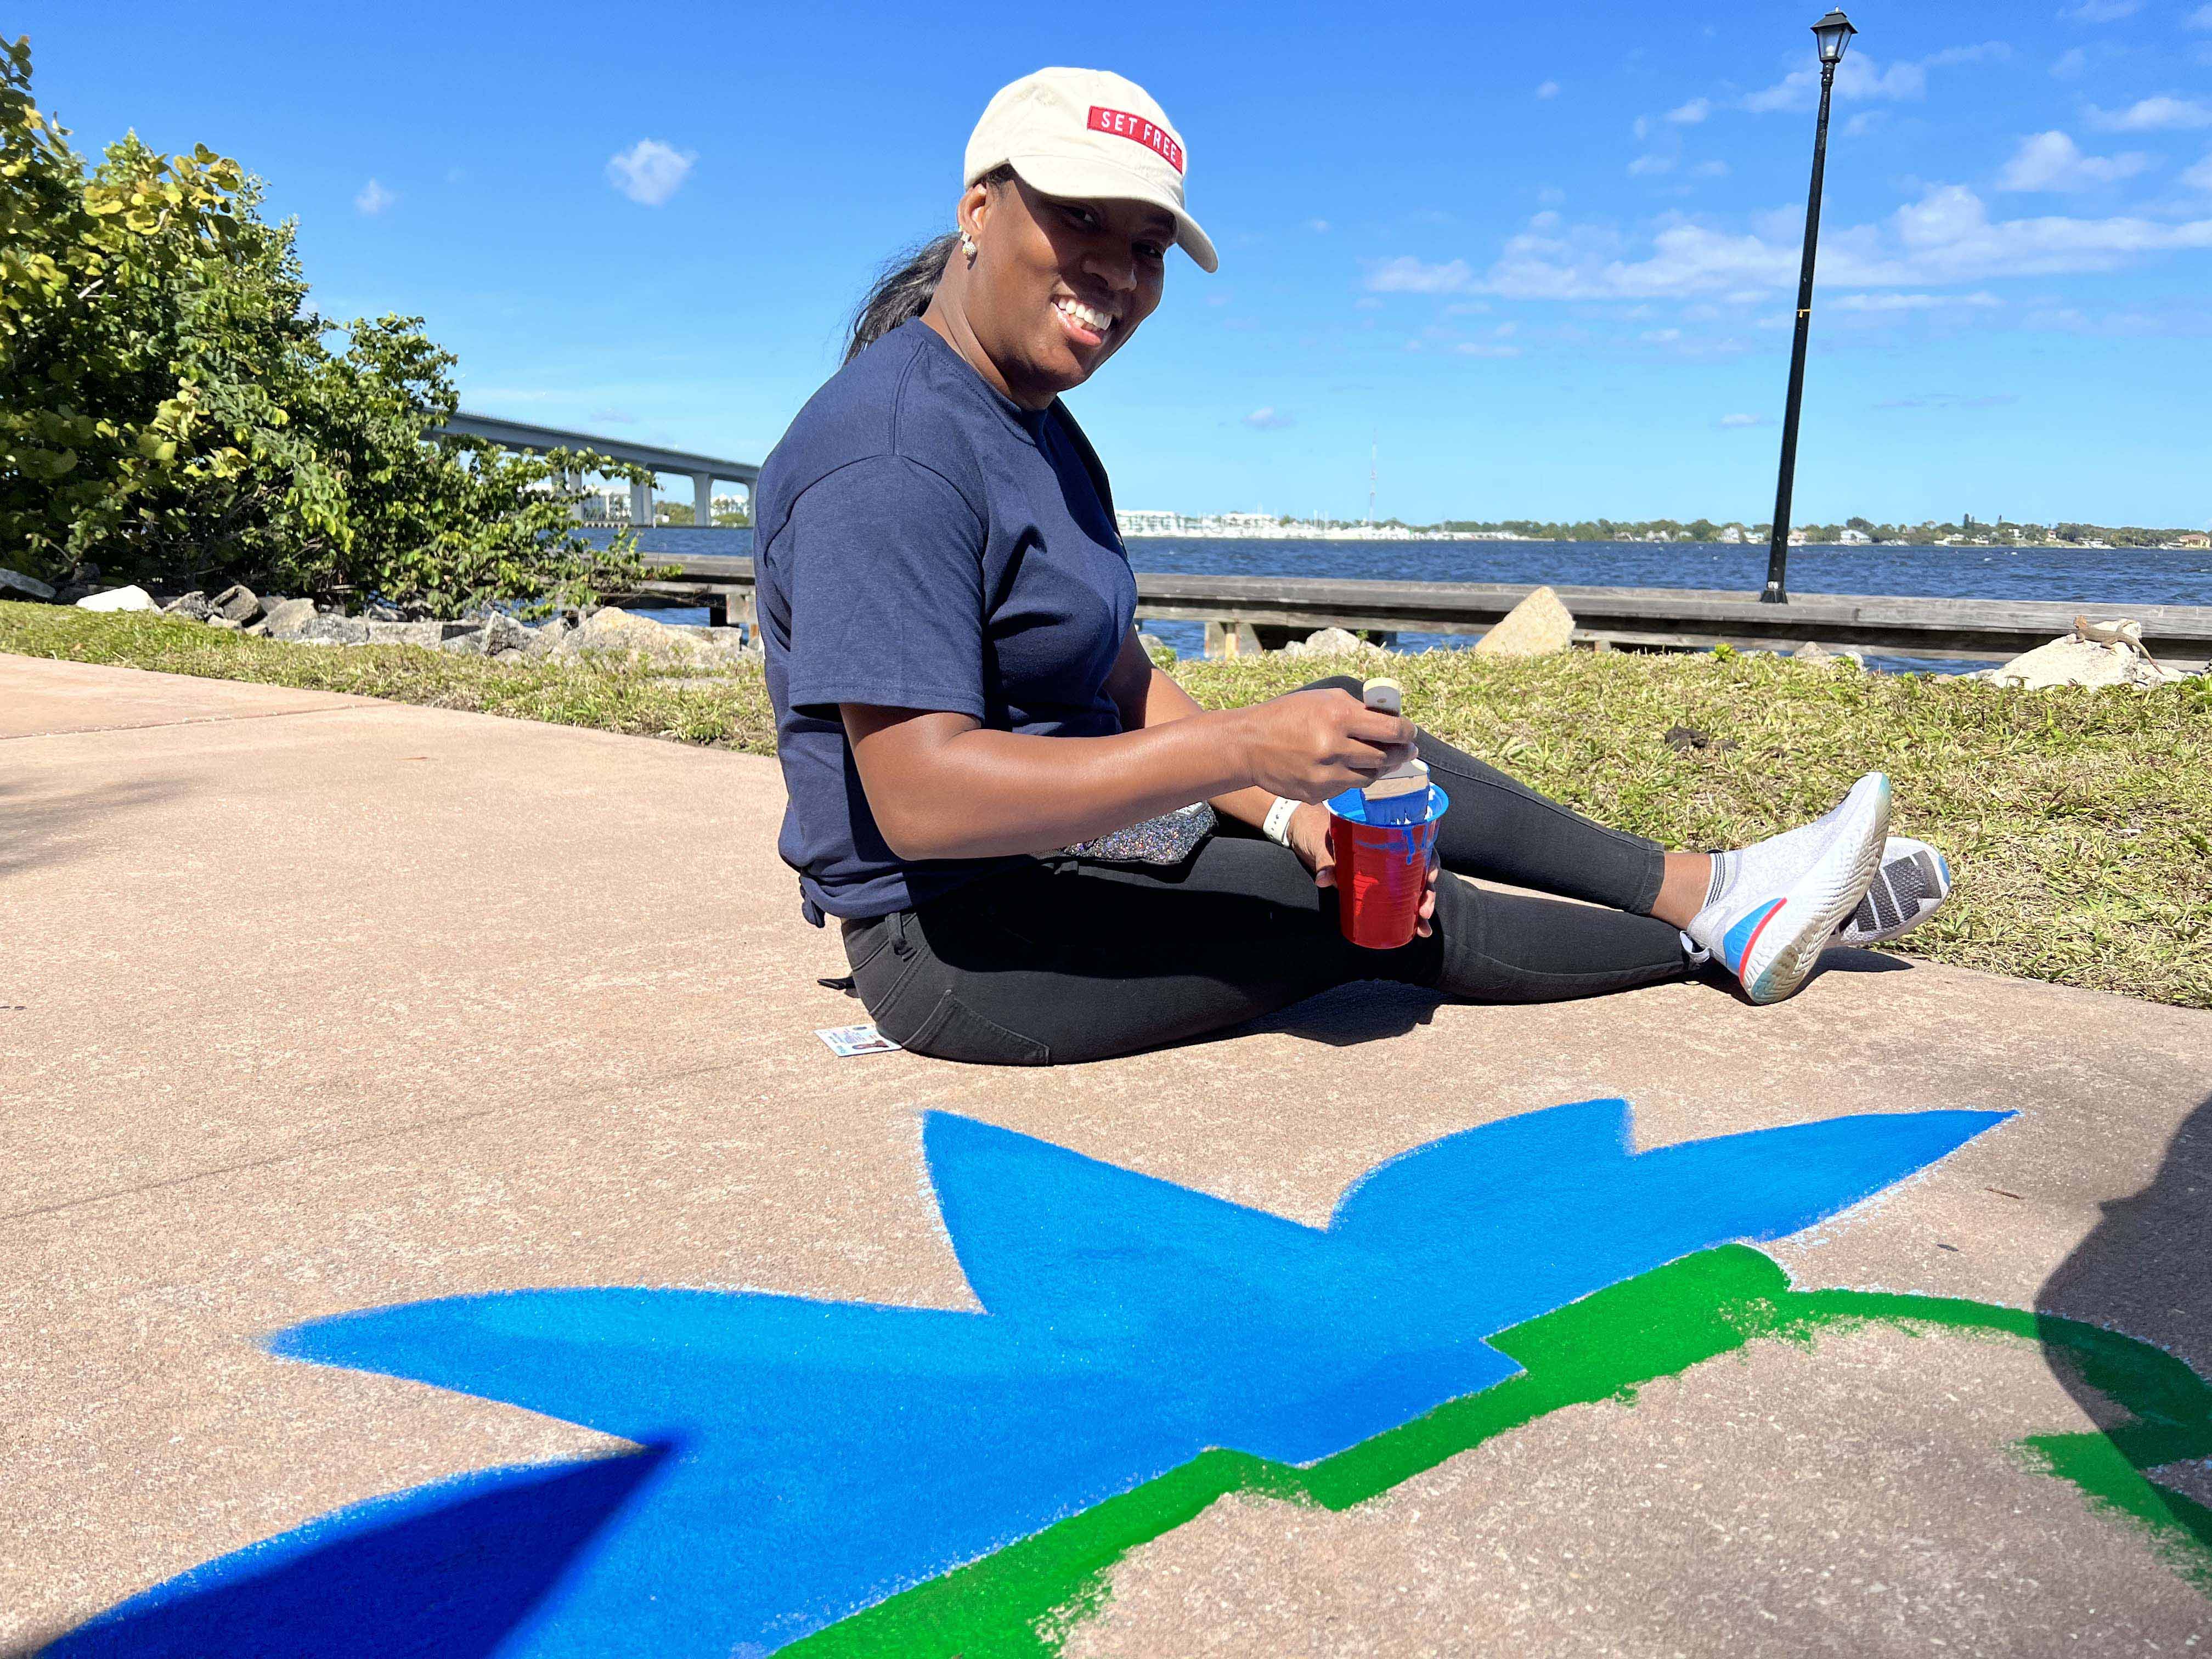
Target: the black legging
pixel 1061 958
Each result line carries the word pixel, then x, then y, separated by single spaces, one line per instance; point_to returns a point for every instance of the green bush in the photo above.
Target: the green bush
pixel 175 414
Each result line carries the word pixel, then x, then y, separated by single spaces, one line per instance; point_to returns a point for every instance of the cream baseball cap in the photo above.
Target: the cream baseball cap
pixel 1078 133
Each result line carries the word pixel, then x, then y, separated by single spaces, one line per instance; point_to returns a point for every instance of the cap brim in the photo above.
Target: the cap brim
pixel 1080 176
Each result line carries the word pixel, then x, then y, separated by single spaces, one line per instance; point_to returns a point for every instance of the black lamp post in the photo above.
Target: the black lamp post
pixel 1834 34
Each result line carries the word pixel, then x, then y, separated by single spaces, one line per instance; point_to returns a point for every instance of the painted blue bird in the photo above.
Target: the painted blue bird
pixel 805 1459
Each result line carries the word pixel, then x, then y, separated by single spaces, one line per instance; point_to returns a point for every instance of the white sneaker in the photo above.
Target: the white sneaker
pixel 1775 905
pixel 1911 884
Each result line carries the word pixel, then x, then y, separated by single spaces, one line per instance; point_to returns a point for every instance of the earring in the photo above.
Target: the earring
pixel 967 245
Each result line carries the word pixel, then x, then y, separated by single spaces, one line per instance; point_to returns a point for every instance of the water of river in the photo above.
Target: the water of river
pixel 2108 579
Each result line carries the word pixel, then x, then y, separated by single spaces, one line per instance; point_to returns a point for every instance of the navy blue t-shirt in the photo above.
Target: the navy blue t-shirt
pixel 923 542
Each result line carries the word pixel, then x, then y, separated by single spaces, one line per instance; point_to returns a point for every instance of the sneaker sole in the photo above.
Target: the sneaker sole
pixel 1932 878
pixel 1823 897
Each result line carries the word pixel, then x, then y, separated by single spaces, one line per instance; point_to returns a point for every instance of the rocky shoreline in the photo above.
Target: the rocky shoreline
pixel 2097 653
pixel 606 633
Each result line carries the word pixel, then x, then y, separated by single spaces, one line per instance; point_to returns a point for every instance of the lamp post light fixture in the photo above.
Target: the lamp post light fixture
pixel 1834 33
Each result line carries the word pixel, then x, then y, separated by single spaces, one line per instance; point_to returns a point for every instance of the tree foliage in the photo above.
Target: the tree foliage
pixel 174 410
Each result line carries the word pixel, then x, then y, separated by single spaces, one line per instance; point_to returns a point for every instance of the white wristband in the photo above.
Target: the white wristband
pixel 1278 827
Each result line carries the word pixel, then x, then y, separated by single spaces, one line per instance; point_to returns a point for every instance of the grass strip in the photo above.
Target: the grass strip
pixel 2078 823
pixel 724 711
pixel 1022 1601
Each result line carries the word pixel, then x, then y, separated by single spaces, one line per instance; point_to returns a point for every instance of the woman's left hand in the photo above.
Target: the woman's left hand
pixel 1308 836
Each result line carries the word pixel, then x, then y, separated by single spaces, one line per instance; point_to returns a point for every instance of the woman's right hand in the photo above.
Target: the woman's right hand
pixel 1309 746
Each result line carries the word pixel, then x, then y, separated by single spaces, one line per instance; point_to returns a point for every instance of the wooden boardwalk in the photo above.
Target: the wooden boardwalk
pixel 1244 613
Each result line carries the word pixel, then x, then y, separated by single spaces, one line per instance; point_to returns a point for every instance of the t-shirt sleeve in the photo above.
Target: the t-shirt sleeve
pixel 886 575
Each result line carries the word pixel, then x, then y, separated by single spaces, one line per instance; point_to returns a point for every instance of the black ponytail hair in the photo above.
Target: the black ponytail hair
pixel 902 292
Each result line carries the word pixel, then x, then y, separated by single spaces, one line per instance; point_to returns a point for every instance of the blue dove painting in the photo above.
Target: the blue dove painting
pixel 803 1459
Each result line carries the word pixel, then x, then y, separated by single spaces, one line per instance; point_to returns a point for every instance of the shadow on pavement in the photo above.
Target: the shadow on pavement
pixel 1365 1012
pixel 2145 1269
pixel 48 826
pixel 1844 959
pixel 430 1573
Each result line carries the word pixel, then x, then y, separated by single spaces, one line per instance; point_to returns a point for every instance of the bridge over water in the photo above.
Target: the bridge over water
pixel 703 470
pixel 1246 613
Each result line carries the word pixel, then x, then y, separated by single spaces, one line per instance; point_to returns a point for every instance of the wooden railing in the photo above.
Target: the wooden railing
pixel 1247 613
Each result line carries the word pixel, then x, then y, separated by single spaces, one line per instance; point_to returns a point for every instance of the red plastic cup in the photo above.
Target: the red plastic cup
pixel 1381 870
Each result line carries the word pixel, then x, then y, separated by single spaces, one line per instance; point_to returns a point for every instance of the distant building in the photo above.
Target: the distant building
pixel 1733 534
pixel 1146 521
pixel 1853 537
pixel 2192 538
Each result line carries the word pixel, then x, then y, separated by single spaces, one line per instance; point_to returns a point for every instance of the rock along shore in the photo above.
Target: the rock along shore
pixel 609 634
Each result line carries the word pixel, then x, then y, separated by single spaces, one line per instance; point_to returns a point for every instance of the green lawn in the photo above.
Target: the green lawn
pixel 2079 823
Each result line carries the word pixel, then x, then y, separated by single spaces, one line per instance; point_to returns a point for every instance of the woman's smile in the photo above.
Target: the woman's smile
pixel 1088 325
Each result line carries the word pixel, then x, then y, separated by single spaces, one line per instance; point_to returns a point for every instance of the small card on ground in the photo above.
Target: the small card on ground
pixel 846 1041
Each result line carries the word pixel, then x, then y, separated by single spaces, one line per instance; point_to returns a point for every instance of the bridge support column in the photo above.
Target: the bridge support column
pixel 641 506
pixel 1232 639
pixel 702 500
pixel 731 607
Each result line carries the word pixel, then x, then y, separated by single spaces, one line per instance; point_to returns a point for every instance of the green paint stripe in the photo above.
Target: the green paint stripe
pixel 1021 1601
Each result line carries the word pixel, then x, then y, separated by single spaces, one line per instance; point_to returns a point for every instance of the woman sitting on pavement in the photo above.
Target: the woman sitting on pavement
pixel 963 706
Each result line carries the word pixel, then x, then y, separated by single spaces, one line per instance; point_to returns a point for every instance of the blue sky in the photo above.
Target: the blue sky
pixel 1544 256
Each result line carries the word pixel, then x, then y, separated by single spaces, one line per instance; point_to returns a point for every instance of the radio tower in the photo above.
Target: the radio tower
pixel 1373 447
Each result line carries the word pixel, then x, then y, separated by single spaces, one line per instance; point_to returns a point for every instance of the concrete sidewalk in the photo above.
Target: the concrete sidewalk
pixel 311 1004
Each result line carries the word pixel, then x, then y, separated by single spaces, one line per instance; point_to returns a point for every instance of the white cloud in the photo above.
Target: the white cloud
pixel 1864 122
pixel 1689 114
pixel 1743 420
pixel 1548 89
pixel 1269 419
pixel 1406 275
pixel 1661 336
pixel 2199 176
pixel 2052 160
pixel 1317 226
pixel 373 198
pixel 1485 349
pixel 1982 52
pixel 1892 302
pixel 649 172
pixel 1947 236
pixel 2163 113
pixel 1370 303
pixel 2102 11
pixel 2199 19
pixel 1951 400
pixel 1646 165
pixel 1551 196
pixel 1710 170
pixel 1859 76
pixel 2070 62
pixel 1782 224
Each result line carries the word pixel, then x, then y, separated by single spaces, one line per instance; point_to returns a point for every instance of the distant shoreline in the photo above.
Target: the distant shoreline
pixel 1603 541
